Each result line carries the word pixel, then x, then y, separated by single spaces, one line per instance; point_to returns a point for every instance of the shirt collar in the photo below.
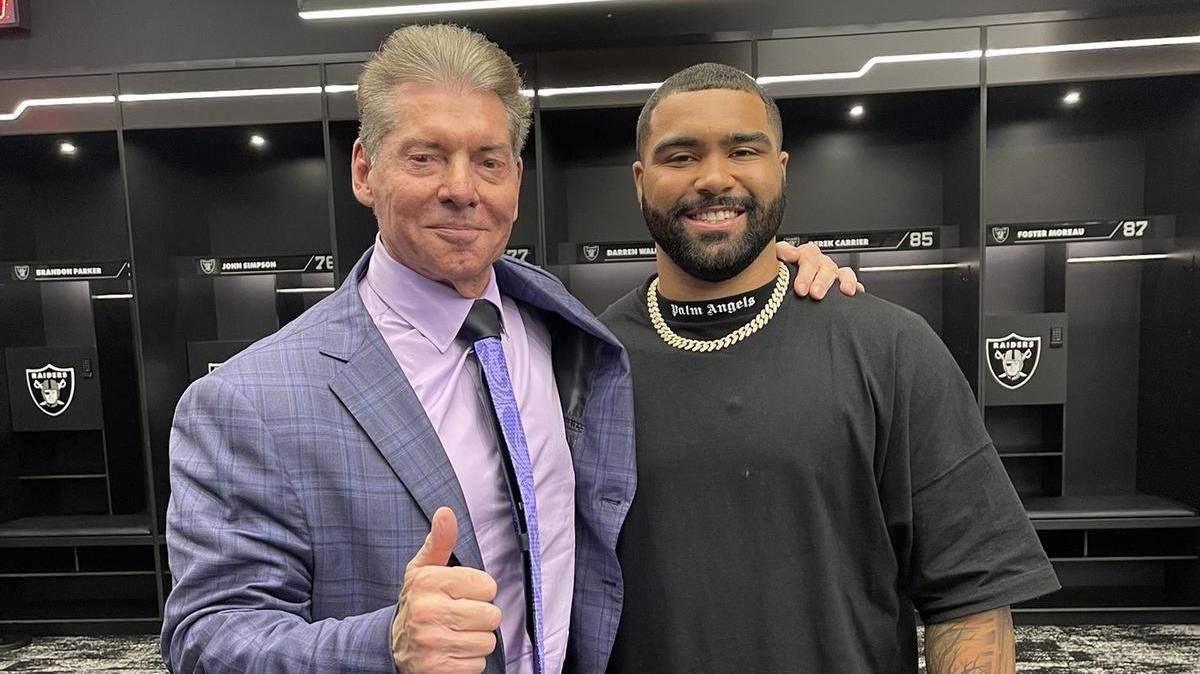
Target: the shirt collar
pixel 434 309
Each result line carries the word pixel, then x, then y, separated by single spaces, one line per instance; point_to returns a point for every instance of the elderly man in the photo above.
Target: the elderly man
pixel 438 453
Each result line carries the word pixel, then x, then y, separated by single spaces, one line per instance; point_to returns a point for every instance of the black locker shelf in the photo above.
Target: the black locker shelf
pixel 945 159
pixel 1125 512
pixel 72 530
pixel 78 575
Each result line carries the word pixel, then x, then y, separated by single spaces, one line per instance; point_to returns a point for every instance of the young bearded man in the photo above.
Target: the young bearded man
pixel 768 535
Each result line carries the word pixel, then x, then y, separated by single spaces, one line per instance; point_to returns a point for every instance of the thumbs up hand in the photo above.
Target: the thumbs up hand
pixel 446 621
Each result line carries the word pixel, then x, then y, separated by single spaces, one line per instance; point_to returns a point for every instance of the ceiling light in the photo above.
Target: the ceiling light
pixel 435 8
pixel 857 111
pixel 257 141
pixel 1072 98
pixel 67 148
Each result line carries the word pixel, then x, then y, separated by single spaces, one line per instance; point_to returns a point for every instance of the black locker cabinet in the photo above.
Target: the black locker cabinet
pixel 229 218
pixel 76 537
pixel 1093 219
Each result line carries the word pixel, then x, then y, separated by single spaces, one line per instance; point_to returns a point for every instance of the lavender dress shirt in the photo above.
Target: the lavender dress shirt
pixel 419 319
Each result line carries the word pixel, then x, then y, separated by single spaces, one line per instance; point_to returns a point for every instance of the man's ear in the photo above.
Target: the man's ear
pixel 360 173
pixel 783 160
pixel 639 171
pixel 520 176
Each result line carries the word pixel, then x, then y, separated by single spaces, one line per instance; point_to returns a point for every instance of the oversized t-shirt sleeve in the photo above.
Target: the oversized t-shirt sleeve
pixel 973 547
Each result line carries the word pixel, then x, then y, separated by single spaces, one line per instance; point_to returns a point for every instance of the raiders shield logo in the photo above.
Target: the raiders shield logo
pixel 208 265
pixel 21 272
pixel 590 253
pixel 1013 359
pixel 1000 234
pixel 51 388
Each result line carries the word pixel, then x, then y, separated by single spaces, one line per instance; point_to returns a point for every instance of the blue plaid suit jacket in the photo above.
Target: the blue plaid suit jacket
pixel 304 473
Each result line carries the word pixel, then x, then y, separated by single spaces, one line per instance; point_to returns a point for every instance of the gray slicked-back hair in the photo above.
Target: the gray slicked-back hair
pixel 437 53
pixel 703 77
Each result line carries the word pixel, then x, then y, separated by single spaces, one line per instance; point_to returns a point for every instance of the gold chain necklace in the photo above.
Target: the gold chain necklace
pixel 702 345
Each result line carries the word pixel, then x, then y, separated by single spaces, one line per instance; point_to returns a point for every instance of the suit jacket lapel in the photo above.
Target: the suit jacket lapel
pixel 538 288
pixel 375 391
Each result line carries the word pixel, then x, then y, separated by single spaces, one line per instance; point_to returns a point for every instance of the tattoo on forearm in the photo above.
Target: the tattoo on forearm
pixel 975 644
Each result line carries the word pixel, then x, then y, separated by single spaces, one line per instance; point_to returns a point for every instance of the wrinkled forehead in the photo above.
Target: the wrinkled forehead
pixel 449 112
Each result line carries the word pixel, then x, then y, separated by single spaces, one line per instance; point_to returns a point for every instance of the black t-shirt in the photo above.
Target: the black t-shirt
pixel 800 492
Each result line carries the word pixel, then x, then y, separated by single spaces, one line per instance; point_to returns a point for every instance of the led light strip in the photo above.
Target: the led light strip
pixel 114 296
pixel 613 88
pixel 50 102
pixel 912 267
pixel 598 89
pixel 1118 258
pixel 1095 46
pixel 435 7
pixel 227 93
pixel 929 57
pixel 990 53
pixel 351 88
pixel 303 291
pixel 871 63
pixel 170 96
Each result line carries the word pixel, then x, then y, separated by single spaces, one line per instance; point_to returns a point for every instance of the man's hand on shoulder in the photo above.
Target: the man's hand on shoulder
pixel 816 272
pixel 446 622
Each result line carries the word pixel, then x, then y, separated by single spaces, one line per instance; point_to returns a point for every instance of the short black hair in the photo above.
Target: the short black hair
pixel 703 77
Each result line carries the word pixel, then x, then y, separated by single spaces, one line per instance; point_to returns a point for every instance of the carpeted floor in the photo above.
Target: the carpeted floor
pixel 86 654
pixel 1098 649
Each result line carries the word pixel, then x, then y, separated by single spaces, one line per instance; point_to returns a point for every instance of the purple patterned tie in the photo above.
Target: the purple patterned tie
pixel 482 329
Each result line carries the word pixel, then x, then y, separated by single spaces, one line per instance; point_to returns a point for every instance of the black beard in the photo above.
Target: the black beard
pixel 713 256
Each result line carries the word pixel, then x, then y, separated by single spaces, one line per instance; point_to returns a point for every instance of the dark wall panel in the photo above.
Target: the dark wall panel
pixel 962 213
pixel 119 389
pixel 59 208
pixel 594 198
pixel 1103 309
pixel 1092 176
pixel 1170 424
pixel 69 313
pixel 855 181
